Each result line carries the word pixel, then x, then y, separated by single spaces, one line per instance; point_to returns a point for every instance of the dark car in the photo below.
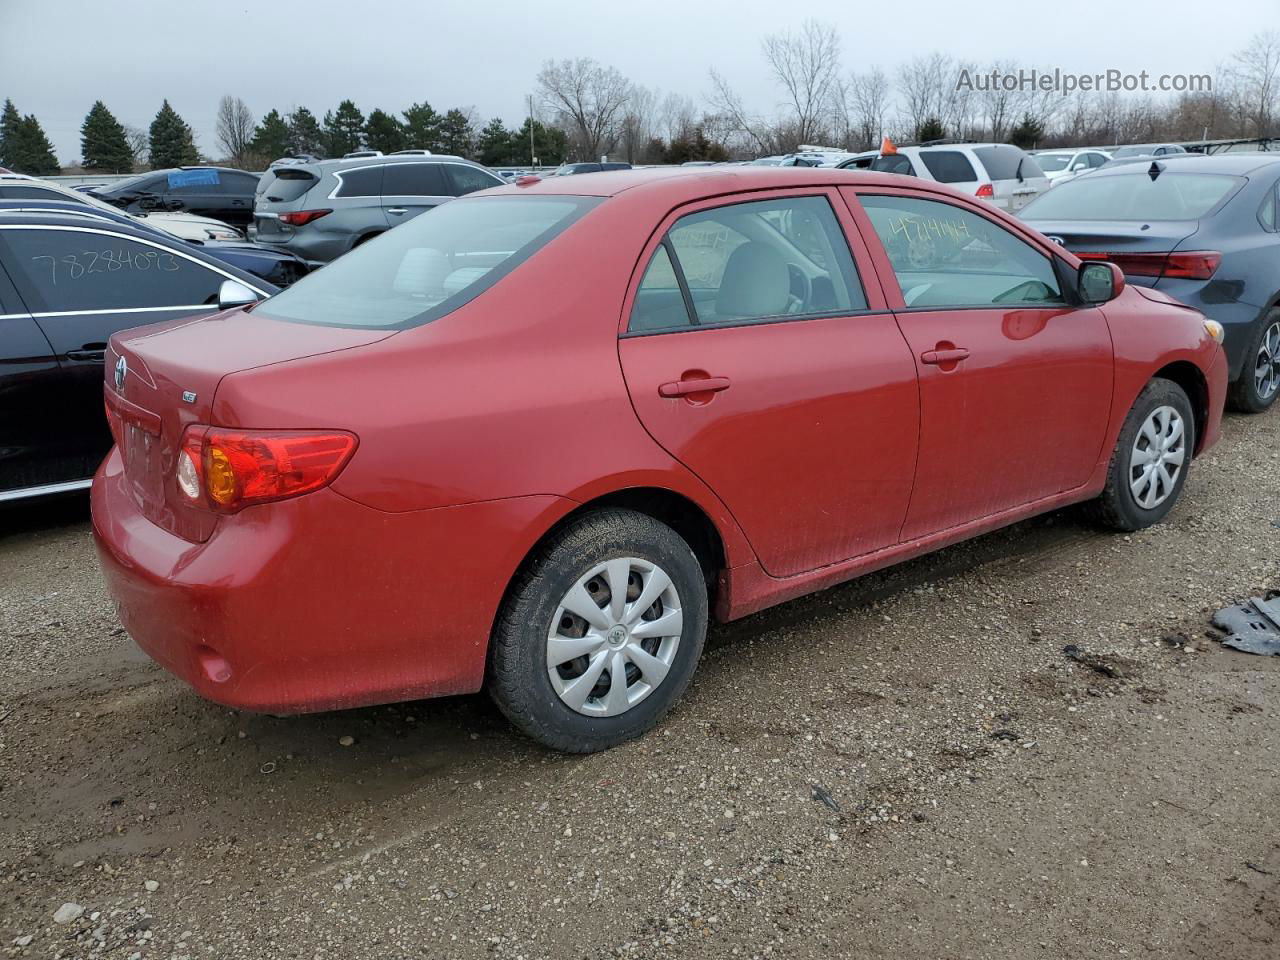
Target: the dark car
pixel 67 283
pixel 276 266
pixel 568 169
pixel 1201 229
pixel 219 192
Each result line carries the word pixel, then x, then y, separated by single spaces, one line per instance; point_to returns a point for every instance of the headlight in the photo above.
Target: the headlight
pixel 1214 329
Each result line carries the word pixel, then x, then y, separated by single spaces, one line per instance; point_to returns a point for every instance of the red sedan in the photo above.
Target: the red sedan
pixel 535 439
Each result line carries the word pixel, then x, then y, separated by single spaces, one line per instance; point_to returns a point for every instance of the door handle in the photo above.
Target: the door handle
pixel 952 355
pixel 88 356
pixel 397 210
pixel 682 388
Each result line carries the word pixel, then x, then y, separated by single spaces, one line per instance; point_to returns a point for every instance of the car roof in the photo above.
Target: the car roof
pixel 1234 164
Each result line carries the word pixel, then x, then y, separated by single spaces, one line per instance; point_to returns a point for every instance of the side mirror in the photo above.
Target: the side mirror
pixel 1079 165
pixel 233 293
pixel 1099 282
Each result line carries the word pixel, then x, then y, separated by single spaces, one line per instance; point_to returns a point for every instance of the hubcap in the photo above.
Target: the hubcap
pixel 1266 371
pixel 1157 458
pixel 614 636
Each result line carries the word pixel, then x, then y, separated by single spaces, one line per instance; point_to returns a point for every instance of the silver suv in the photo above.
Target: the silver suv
pixel 321 210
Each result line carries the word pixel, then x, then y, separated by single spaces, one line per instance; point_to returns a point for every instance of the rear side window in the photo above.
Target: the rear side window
pixel 464 180
pixel 768 259
pixel 1171 196
pixel 948 166
pixel 893 163
pixel 66 269
pixel 1006 162
pixel 414 180
pixel 283 185
pixel 361 182
pixel 430 266
pixel 1267 212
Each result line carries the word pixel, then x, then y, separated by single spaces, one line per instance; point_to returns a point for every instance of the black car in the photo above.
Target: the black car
pixel 67 283
pixel 1202 229
pixel 219 192
pixel 568 169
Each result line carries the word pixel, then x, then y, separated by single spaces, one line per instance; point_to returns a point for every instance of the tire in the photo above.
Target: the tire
pixel 1121 506
pixel 576 566
pixel 1259 382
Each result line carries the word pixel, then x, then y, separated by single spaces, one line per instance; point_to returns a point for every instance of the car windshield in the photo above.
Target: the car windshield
pixel 1141 150
pixel 1171 196
pixel 430 266
pixel 1053 162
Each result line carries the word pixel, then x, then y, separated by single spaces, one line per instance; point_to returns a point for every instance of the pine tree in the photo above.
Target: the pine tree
pixel 931 129
pixel 1027 133
pixel 33 153
pixel 172 143
pixel 103 144
pixel 344 129
pixel 550 144
pixel 422 127
pixel 305 135
pixel 10 122
pixel 456 133
pixel 384 132
pixel 494 146
pixel 271 137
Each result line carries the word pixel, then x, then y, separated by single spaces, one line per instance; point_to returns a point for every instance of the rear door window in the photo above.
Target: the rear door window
pixel 360 182
pixel 948 166
pixel 73 270
pixel 414 180
pixel 463 179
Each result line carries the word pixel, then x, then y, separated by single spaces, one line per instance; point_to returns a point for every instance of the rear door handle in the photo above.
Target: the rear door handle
pixel 88 356
pixel 397 210
pixel 682 388
pixel 954 355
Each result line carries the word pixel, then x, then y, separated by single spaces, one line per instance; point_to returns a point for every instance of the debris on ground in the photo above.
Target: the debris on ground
pixel 823 796
pixel 1252 626
pixel 1095 662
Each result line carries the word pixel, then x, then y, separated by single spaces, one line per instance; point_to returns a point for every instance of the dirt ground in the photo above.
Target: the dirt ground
pixel 904 767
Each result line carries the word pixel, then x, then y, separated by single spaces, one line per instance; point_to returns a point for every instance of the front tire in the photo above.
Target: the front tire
pixel 1150 461
pixel 1259 382
pixel 600 633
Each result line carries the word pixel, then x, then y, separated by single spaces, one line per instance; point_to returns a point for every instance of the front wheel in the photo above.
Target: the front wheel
pixel 1259 382
pixel 600 633
pixel 1149 464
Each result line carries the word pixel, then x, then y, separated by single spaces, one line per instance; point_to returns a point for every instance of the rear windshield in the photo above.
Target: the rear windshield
pixel 283 185
pixel 1007 162
pixel 1053 162
pixel 430 266
pixel 1171 196
pixel 948 166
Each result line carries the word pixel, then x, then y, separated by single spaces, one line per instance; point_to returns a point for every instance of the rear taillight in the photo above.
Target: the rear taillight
pixel 301 218
pixel 226 470
pixel 113 423
pixel 986 192
pixel 1189 265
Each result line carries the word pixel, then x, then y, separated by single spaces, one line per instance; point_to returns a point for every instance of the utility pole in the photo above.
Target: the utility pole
pixel 533 154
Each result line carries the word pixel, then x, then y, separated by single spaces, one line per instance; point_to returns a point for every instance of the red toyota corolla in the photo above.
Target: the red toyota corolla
pixel 535 439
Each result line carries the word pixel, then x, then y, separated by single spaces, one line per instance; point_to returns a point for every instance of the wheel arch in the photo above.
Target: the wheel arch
pixel 1194 384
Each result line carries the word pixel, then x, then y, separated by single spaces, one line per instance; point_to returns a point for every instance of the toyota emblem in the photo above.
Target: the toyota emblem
pixel 122 368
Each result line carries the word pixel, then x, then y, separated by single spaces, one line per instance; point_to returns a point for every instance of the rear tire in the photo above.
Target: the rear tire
pixel 578 672
pixel 1259 382
pixel 1151 458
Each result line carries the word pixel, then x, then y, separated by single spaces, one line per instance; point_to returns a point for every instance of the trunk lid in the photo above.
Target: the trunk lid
pixel 162 378
pixel 1118 237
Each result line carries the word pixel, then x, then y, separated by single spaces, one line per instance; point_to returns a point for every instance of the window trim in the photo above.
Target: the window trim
pixel 22 282
pixel 859 254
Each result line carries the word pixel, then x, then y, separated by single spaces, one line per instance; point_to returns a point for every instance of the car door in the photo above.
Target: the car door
pixel 30 392
pixel 81 285
pixel 409 189
pixel 195 191
pixel 1015 382
pixel 757 355
pixel 233 198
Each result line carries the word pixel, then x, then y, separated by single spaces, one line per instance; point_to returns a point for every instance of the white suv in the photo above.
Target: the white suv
pixel 1000 173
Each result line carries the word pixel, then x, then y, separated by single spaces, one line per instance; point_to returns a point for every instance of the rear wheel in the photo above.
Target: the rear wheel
pixel 600 633
pixel 1149 464
pixel 1259 382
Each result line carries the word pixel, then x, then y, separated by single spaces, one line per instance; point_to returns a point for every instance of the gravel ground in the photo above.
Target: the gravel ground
pixel 906 766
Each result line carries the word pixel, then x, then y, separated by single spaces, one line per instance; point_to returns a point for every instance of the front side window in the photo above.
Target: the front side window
pixel 948 166
pixel 946 256
pixel 768 259
pixel 1096 160
pixel 361 182
pixel 193 181
pixel 469 179
pixel 414 180
pixel 65 269
pixel 430 266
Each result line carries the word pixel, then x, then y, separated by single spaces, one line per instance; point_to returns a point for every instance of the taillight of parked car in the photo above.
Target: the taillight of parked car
pixel 1188 265
pixel 226 470
pixel 986 192
pixel 300 218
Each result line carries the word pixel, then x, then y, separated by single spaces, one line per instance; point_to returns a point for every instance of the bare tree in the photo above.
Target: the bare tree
pixel 638 118
pixel 868 97
pixel 587 98
pixel 1256 72
pixel 139 145
pixel 235 128
pixel 806 65
pixel 728 105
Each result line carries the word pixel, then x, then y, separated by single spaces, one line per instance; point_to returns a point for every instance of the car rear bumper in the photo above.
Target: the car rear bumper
pixel 319 602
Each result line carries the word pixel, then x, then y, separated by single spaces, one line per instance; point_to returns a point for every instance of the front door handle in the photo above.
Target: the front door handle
pixel 87 356
pixel 944 356
pixel 685 388
pixel 397 210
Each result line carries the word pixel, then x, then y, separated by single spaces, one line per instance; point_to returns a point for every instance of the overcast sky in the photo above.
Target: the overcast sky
pixel 57 58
